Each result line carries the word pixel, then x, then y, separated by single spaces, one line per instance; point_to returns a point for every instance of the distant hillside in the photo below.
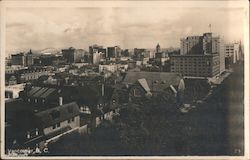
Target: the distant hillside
pixel 50 50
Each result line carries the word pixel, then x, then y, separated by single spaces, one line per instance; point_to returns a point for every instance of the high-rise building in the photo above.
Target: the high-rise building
pixel 114 52
pixel 79 55
pixel 233 51
pixel 196 65
pixel 68 54
pixel 96 49
pixel 222 56
pixel 201 56
pixel 73 55
pixel 191 45
pixel 125 53
pixel 29 59
pixel 96 57
pixel 139 53
pixel 206 44
pixel 18 59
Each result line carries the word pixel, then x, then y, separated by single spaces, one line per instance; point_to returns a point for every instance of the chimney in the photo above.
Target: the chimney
pixel 102 89
pixel 60 101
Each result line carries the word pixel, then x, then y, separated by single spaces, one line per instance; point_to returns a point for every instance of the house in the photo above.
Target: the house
pixel 10 79
pixel 31 73
pixel 146 84
pixel 26 128
pixel 60 119
pixel 99 102
pixel 93 100
pixel 12 91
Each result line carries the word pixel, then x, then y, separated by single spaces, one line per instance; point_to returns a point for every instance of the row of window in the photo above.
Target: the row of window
pixel 57 125
pixel 36 100
pixel 192 65
pixel 191 69
pixel 31 134
pixel 190 62
pixel 189 59
pixel 31 77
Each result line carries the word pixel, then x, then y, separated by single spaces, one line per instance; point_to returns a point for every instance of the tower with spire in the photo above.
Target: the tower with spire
pixel 158 48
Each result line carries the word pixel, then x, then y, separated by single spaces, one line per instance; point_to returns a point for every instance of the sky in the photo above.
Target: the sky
pixel 130 27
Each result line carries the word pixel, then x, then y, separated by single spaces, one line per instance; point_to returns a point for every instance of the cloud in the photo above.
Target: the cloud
pixel 39 28
pixel 16 24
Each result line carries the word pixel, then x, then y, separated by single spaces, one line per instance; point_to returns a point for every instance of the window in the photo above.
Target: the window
pixel 37 132
pixel 28 135
pixel 113 102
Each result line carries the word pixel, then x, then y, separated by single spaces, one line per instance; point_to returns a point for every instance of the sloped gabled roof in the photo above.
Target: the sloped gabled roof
pixel 144 84
pixel 64 112
pixel 157 81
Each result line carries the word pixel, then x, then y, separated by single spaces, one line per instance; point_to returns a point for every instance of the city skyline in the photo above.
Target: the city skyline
pixel 39 28
pixel 124 78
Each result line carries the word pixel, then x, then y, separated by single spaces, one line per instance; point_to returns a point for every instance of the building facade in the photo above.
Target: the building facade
pixel 96 49
pixel 139 53
pixel 232 51
pixel 18 59
pixel 110 67
pixel 29 59
pixel 73 55
pixel 114 52
pixel 12 91
pixel 96 57
pixel 205 44
pixel 26 75
pixel 191 45
pixel 196 65
pixel 198 53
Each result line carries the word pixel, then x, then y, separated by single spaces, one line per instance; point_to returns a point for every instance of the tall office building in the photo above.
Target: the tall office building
pixel 205 44
pixel 201 56
pixel 114 52
pixel 73 55
pixel 233 51
pixel 191 45
pixel 96 57
pixel 96 49
pixel 139 53
pixel 196 65
pixel 222 55
pixel 29 59
pixel 18 59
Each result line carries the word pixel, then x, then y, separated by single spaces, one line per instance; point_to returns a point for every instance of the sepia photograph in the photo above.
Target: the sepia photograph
pixel 124 79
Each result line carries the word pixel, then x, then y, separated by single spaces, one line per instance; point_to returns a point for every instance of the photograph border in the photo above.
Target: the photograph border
pixel 103 3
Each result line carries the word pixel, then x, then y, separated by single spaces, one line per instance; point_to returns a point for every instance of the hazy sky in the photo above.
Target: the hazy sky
pixel 39 28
